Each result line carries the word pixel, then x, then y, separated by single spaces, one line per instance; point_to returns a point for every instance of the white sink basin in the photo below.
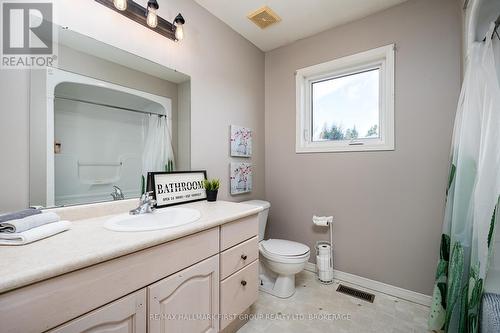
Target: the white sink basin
pixel 160 219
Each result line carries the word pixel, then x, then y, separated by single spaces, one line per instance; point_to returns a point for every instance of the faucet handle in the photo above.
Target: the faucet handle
pixel 117 193
pixel 152 204
pixel 148 198
pixel 145 197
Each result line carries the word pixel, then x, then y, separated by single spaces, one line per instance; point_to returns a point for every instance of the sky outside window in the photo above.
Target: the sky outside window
pixel 346 107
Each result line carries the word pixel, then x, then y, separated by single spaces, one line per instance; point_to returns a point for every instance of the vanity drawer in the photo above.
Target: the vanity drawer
pixel 238 257
pixel 238 231
pixel 238 292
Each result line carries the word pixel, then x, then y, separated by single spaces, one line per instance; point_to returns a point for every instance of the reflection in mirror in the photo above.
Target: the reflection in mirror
pixel 100 139
pixel 100 121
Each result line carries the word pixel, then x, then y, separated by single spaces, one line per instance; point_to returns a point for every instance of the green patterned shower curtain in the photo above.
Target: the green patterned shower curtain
pixel 472 198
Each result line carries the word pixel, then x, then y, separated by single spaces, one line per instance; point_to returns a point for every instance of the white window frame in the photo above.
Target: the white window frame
pixel 380 58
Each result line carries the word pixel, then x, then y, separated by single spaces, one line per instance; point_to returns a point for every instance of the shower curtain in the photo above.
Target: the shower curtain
pixel 158 154
pixel 471 198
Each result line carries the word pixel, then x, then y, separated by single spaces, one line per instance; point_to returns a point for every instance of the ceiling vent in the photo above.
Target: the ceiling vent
pixel 264 17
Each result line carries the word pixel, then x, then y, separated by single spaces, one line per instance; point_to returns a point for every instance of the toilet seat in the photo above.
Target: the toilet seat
pixel 282 247
pixel 284 251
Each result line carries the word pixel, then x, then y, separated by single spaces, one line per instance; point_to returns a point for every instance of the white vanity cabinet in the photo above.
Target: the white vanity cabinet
pixel 182 285
pixel 187 301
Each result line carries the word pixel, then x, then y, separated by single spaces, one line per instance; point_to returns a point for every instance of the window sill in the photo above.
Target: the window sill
pixel 341 148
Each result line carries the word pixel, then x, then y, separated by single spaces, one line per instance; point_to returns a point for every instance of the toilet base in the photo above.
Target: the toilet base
pixel 282 286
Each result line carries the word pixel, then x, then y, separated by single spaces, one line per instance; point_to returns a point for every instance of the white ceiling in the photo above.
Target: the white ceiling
pixel 300 18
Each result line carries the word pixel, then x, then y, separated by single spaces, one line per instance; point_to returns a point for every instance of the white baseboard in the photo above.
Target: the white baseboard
pixel 381 287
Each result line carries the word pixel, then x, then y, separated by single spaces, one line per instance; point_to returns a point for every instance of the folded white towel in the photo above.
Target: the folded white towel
pixel 34 234
pixel 29 222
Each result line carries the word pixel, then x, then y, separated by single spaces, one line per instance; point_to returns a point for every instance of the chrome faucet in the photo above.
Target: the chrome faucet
pixel 146 205
pixel 117 193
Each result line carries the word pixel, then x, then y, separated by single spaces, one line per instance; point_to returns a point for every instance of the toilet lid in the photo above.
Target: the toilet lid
pixel 283 247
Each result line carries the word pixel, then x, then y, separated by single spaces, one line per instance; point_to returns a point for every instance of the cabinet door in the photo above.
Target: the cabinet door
pixel 187 301
pixel 126 315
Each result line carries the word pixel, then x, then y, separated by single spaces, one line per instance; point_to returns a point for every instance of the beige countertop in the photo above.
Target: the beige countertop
pixel 89 243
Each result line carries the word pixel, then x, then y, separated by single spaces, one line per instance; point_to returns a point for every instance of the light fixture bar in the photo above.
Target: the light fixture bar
pixel 137 13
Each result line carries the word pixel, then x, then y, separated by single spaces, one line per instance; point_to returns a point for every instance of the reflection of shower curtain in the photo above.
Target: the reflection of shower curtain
pixel 472 197
pixel 158 154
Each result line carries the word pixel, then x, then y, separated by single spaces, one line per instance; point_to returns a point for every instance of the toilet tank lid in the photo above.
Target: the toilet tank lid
pixel 260 203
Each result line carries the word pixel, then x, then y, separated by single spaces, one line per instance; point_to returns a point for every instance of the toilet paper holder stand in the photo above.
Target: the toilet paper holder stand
pixel 325 221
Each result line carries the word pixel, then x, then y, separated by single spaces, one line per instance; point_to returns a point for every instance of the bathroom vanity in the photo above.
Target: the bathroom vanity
pixel 194 278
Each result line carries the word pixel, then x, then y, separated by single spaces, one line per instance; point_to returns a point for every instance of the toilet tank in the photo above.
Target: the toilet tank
pixel 262 215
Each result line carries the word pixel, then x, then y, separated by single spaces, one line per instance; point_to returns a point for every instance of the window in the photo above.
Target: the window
pixel 347 104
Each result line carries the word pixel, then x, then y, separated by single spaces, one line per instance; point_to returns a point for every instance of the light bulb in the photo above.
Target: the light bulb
pixel 120 4
pixel 179 32
pixel 179 29
pixel 152 18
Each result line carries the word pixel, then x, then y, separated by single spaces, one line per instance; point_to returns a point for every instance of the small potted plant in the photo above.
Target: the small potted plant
pixel 211 187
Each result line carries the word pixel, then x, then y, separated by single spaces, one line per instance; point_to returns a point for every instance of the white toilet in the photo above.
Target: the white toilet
pixel 280 259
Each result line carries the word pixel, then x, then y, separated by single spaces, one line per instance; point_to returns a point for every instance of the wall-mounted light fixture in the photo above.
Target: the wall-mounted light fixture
pixel 152 18
pixel 179 27
pixel 120 4
pixel 147 16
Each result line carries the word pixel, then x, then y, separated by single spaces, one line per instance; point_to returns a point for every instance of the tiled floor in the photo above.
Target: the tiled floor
pixel 386 314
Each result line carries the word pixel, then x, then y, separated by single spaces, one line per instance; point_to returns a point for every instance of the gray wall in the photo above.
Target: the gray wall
pixel 14 139
pixel 388 206
pixel 227 87
pixel 183 161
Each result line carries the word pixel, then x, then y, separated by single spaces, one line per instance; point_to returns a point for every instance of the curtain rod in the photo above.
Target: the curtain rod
pixel 109 106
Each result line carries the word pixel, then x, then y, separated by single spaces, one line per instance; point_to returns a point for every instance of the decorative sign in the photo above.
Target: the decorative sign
pixel 241 141
pixel 241 178
pixel 174 188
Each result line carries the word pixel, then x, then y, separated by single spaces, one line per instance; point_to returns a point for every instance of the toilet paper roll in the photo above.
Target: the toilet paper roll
pixel 321 221
pixel 324 250
pixel 323 263
pixel 326 276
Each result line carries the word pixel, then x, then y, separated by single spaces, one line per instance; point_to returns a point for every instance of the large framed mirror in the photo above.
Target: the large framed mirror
pixel 100 120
